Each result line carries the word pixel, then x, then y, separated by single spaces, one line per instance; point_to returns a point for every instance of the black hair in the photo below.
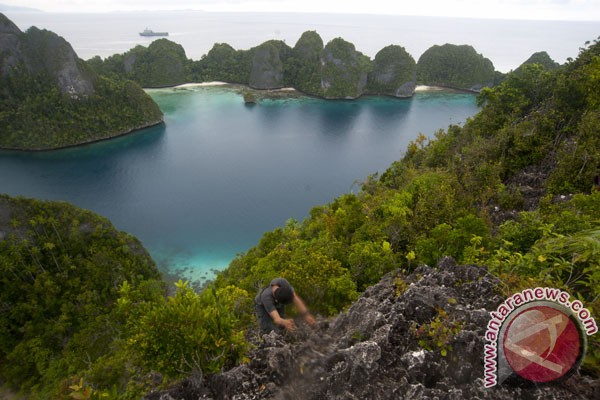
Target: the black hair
pixel 284 294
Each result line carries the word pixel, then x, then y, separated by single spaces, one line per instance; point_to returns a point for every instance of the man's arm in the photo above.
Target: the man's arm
pixel 303 310
pixel 286 323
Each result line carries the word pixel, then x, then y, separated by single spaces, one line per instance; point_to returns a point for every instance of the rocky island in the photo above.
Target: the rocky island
pixel 52 99
pixel 335 70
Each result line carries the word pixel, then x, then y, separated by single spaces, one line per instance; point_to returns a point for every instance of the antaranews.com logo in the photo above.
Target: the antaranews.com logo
pixel 538 334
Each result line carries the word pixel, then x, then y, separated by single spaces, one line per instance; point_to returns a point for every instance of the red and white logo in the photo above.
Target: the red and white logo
pixel 542 344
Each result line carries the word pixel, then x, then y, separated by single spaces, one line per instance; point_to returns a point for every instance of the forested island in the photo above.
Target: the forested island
pixel 402 274
pixel 335 70
pixel 49 98
pixel 52 99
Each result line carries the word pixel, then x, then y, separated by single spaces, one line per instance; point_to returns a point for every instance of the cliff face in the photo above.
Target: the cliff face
pixel 394 73
pixel 419 336
pixel 43 52
pixel 267 67
pixel 455 66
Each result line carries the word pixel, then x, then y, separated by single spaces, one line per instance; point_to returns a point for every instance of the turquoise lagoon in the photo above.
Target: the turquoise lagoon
pixel 218 174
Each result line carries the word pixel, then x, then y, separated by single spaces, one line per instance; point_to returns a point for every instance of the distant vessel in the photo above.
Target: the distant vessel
pixel 150 32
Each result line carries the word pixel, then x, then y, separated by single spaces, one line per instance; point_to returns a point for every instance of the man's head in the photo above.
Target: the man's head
pixel 283 294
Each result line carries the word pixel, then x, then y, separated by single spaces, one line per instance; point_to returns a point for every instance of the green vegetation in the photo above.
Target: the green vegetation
pixel 344 70
pixel 162 63
pixel 459 67
pixel 84 309
pixel 336 70
pixel 394 72
pixel 542 58
pixel 303 69
pixel 223 63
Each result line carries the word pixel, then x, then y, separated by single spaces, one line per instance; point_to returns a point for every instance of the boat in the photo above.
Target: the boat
pixel 150 32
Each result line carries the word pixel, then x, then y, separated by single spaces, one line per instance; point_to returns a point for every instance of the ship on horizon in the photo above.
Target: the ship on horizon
pixel 150 32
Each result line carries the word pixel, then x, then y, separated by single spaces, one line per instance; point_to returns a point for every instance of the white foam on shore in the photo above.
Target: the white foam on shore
pixel 200 84
pixel 425 88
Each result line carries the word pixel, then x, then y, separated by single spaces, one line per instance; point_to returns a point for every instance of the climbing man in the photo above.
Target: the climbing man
pixel 270 303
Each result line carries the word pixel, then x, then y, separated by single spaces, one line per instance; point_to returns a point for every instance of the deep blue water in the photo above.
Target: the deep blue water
pixel 218 174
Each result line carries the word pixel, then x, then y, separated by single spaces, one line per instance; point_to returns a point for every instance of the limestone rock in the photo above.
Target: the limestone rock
pixel 394 73
pixel 343 70
pixel 267 67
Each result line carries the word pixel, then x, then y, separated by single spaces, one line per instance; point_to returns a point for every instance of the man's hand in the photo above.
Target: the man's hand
pixel 288 324
pixel 310 320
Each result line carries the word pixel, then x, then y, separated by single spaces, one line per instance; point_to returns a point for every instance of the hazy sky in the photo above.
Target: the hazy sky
pixel 515 9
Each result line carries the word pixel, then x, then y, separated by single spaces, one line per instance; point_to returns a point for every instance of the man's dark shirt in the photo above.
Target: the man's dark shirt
pixel 265 303
pixel 266 299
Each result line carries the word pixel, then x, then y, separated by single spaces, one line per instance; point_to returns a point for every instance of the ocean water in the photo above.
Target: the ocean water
pixel 218 174
pixel 506 42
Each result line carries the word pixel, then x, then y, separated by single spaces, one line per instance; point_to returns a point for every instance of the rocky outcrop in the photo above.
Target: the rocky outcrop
pixel 304 67
pixel 10 50
pixel 267 66
pixel 343 70
pixel 41 52
pixel 394 73
pixel 416 336
pixel 455 66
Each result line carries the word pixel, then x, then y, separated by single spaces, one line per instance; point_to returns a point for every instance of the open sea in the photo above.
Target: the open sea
pixel 206 185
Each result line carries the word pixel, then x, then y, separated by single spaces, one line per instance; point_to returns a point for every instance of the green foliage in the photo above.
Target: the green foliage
pixel 59 271
pixel 393 67
pixel 541 58
pixel 303 69
pixel 186 332
pixel 459 67
pixel 162 63
pixel 223 63
pixel 437 334
pixel 448 240
pixel 344 70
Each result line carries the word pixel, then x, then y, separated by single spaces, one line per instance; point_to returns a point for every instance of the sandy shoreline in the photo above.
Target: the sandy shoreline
pixel 199 84
pixel 418 88
pixel 425 88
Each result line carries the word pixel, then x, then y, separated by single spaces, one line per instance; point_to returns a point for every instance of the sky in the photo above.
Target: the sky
pixel 509 9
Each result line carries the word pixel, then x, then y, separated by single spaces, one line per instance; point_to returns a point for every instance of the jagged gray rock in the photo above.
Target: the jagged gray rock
pixel 373 351
pixel 42 52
